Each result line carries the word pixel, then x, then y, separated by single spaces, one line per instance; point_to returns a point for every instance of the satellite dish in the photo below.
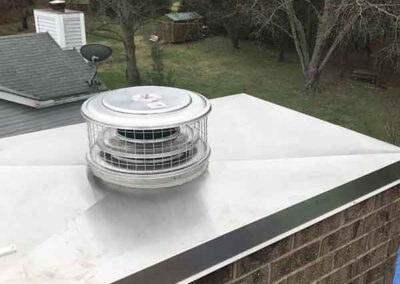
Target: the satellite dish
pixel 95 52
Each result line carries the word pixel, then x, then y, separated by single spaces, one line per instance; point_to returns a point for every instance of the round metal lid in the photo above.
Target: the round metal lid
pixel 145 107
pixel 144 101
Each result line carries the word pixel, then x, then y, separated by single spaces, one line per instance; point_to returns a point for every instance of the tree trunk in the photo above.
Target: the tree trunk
pixel 313 71
pixel 25 23
pixel 368 49
pixel 312 80
pixel 342 61
pixel 282 47
pixel 235 42
pixel 233 33
pixel 281 55
pixel 380 73
pixel 312 75
pixel 132 71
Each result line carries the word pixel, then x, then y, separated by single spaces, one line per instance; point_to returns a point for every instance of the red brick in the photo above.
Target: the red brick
pixel 294 261
pixel 387 196
pixel 384 233
pixel 379 281
pixel 340 276
pixel 317 230
pixel 369 260
pixel 359 210
pixel 357 280
pixel 379 271
pixel 357 258
pixel 313 272
pixel 260 276
pixel 350 252
pixel 376 219
pixel 394 245
pixel 263 256
pixel 394 210
pixel 282 281
pixel 341 237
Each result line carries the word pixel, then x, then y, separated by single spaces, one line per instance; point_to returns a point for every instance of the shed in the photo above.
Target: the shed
pixel 180 27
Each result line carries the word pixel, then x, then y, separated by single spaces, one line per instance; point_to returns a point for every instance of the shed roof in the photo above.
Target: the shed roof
pixel 184 16
pixel 34 66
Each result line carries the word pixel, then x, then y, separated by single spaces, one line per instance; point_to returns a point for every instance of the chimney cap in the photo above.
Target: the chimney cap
pixel 145 107
pixel 58 5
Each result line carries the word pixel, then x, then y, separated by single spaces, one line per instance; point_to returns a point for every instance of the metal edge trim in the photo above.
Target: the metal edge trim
pixel 211 253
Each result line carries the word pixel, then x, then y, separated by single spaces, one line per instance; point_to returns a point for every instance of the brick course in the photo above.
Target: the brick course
pixel 357 246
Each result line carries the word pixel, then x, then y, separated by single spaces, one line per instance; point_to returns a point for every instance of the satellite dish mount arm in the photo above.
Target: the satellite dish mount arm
pixel 92 81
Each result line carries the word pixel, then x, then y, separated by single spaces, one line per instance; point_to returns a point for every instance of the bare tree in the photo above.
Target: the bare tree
pixel 335 20
pixel 121 19
pixel 21 9
pixel 223 13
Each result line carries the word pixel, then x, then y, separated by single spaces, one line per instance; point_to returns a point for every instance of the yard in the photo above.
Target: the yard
pixel 213 68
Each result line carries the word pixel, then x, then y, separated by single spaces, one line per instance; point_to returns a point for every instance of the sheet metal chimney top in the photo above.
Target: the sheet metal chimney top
pixel 147 137
pixel 58 5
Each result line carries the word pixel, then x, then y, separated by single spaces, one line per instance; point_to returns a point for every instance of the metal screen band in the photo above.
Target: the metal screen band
pixel 211 253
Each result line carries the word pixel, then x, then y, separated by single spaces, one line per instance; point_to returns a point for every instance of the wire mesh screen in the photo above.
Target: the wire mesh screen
pixel 148 151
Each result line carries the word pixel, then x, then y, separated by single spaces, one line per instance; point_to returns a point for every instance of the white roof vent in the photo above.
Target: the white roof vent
pixel 147 137
pixel 67 27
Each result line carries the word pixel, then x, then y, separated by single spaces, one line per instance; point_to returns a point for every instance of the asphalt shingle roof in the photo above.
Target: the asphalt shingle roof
pixel 34 65
pixel 18 119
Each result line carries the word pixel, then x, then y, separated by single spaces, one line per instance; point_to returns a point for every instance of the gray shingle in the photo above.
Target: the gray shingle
pixel 36 66
pixel 18 119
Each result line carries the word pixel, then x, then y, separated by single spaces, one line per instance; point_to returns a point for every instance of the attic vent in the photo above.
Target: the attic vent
pixel 147 137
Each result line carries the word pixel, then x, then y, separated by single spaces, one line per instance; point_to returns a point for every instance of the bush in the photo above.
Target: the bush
pixel 158 75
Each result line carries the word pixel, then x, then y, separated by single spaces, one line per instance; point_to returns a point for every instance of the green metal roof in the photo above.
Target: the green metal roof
pixel 184 16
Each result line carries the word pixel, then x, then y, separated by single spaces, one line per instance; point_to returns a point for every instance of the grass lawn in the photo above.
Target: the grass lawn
pixel 213 68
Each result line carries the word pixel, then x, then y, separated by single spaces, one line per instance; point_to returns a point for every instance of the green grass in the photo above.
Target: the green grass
pixel 213 68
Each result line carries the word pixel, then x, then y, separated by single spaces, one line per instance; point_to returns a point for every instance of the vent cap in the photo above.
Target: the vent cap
pixel 147 137
pixel 146 107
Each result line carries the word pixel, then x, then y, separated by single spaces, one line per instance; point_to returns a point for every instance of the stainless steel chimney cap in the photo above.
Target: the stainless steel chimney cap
pixel 145 107
pixel 147 137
